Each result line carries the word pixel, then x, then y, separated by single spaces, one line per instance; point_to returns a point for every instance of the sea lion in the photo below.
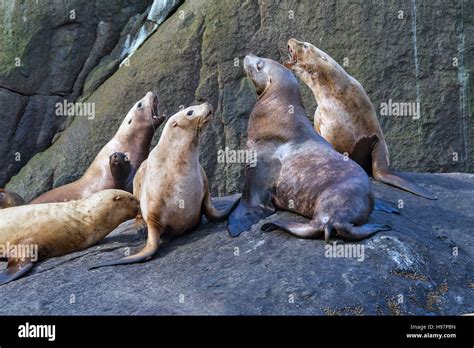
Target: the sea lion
pixel 38 231
pixel 297 170
pixel 345 117
pixel 120 168
pixel 133 137
pixel 10 199
pixel 173 189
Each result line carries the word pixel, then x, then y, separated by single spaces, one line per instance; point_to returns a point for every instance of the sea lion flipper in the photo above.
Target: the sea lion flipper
pixel 152 244
pixel 16 268
pixel 301 230
pixel 350 232
pixel 382 172
pixel 381 205
pixel 256 201
pixel 208 208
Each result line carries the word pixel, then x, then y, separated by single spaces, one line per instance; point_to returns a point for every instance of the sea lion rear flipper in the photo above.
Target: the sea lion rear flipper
pixel 152 244
pixel 350 232
pixel 16 268
pixel 301 230
pixel 256 201
pixel 381 205
pixel 382 172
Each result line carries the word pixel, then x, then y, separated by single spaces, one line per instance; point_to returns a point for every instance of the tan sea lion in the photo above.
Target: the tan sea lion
pixel 120 168
pixel 345 117
pixel 297 170
pixel 38 231
pixel 173 188
pixel 10 199
pixel 133 137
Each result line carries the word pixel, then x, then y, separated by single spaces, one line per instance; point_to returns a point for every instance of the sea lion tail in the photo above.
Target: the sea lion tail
pixel 15 269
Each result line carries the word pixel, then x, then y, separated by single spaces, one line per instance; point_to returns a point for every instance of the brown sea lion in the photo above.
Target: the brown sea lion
pixel 10 199
pixel 173 189
pixel 38 231
pixel 120 168
pixel 133 137
pixel 345 117
pixel 296 169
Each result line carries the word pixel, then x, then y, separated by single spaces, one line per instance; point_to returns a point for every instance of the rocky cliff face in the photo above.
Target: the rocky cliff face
pixel 415 51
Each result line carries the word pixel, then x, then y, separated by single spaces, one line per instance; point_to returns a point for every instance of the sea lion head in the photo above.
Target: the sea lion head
pixel 193 119
pixel 112 206
pixel 144 113
pixel 309 62
pixel 118 158
pixel 267 74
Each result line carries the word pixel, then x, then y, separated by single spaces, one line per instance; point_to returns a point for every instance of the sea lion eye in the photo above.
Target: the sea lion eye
pixel 259 65
pixel 139 105
pixel 190 112
pixel 130 121
pixel 323 58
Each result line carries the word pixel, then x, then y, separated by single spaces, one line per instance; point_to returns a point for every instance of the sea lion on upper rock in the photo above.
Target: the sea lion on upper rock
pixel 297 170
pixel 173 187
pixel 345 117
pixel 133 137
pixel 38 231
pixel 120 168
pixel 10 199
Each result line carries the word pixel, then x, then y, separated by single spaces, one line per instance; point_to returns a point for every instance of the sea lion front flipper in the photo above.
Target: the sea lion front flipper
pixel 256 201
pixel 16 268
pixel 382 172
pixel 152 244
pixel 381 205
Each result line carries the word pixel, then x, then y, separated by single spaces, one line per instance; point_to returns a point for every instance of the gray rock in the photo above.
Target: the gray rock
pixel 423 266
pixel 196 54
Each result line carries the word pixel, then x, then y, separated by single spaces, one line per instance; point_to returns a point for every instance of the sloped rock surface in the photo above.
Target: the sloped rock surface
pixel 422 267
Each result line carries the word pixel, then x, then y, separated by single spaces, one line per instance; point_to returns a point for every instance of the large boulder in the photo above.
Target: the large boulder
pixel 396 50
pixel 422 267
pixel 47 51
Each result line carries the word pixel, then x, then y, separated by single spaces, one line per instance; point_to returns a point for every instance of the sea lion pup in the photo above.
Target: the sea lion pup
pixel 296 169
pixel 38 231
pixel 133 137
pixel 120 168
pixel 10 199
pixel 345 117
pixel 173 190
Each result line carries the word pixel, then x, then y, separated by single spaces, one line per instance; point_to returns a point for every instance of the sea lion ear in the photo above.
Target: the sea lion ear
pixel 127 157
pixel 270 79
pixel 174 124
pixel 117 198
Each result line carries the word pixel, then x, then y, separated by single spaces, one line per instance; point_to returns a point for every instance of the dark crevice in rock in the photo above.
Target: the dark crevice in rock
pixel 58 94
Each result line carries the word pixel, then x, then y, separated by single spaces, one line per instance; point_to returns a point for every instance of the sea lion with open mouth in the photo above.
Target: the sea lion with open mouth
pixel 133 137
pixel 345 117
pixel 297 170
pixel 173 187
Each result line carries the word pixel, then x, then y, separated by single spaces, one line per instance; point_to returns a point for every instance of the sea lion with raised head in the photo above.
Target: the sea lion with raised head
pixel 296 169
pixel 10 199
pixel 133 137
pixel 38 231
pixel 345 117
pixel 173 187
